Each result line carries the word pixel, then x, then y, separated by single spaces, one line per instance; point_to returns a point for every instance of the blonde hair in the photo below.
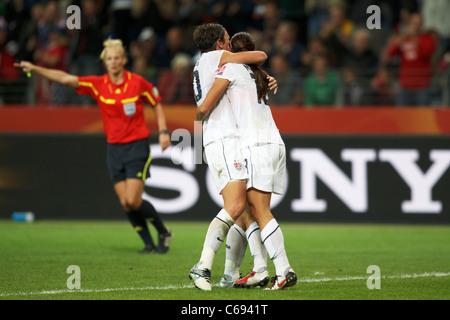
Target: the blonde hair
pixel 112 43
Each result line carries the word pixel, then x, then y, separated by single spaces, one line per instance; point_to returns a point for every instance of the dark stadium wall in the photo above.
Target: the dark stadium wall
pixel 331 178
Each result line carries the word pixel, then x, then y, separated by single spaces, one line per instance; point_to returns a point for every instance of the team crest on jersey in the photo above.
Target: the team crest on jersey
pixel 237 164
pixel 221 71
pixel 155 92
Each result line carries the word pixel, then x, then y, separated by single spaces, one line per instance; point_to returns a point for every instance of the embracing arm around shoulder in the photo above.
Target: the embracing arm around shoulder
pixel 244 57
pixel 214 94
pixel 51 74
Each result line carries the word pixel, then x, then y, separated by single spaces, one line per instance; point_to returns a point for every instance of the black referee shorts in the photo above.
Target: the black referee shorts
pixel 128 160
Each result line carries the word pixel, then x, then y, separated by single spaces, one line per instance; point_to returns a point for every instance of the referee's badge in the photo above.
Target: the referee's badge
pixel 129 108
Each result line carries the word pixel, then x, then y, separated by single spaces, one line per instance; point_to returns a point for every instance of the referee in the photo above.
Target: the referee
pixel 120 96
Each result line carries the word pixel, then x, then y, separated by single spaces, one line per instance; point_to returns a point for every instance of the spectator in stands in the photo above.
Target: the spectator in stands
pixel 444 62
pixel 141 67
pixel 55 56
pixel 337 31
pixel 86 43
pixel 290 91
pixel 405 12
pixel 122 22
pixel 435 17
pixel 141 18
pixel 17 15
pixel 270 20
pixel 51 19
pixel 318 14
pixel 443 68
pixel 316 47
pixel 415 49
pixel 286 42
pixel 382 88
pixel 321 85
pixel 28 38
pixel 361 57
pixel 354 92
pixel 142 54
pixel 8 73
pixel 234 15
pixel 334 21
pixel 174 43
pixel 175 85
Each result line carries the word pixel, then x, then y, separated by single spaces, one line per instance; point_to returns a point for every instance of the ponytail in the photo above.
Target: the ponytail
pixel 244 41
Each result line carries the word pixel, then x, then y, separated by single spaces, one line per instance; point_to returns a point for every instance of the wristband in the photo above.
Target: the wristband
pixel 164 131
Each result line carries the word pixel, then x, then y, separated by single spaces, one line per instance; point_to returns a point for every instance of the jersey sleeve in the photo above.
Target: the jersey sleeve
pixel 227 72
pixel 89 85
pixel 150 93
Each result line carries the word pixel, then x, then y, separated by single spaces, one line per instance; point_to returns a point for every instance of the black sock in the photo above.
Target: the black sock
pixel 148 211
pixel 140 225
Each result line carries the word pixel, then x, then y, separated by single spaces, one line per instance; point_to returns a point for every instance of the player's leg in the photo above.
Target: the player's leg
pixel 234 203
pixel 236 245
pixel 268 164
pixel 230 180
pixel 272 238
pixel 259 275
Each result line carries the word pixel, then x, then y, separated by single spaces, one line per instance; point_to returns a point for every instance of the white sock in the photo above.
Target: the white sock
pixel 257 249
pixel 235 250
pixel 273 240
pixel 215 236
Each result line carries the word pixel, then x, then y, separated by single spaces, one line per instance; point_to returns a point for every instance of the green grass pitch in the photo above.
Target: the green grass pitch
pixel 331 262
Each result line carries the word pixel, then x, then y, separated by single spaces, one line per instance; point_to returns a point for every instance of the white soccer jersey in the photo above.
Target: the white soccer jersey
pixel 220 122
pixel 253 117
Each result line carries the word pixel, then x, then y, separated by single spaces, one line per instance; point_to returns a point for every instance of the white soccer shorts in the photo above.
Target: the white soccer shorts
pixel 266 167
pixel 225 161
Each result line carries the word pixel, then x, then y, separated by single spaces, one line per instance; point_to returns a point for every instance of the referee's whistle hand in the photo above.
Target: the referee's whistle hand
pixel 164 141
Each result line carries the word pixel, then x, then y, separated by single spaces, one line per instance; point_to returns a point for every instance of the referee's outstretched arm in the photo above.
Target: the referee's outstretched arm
pixel 51 74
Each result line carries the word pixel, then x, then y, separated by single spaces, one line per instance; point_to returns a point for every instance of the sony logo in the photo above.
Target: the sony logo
pixel 353 190
pixel 351 187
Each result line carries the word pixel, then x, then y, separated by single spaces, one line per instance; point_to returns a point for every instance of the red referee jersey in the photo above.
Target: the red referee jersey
pixel 121 106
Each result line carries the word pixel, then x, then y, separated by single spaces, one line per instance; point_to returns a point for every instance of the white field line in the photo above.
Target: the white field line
pixel 305 280
pixel 401 276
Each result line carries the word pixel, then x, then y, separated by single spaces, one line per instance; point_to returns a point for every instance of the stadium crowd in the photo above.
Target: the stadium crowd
pixel 320 51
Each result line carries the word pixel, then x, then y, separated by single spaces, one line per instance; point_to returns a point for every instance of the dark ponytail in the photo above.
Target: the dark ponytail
pixel 243 41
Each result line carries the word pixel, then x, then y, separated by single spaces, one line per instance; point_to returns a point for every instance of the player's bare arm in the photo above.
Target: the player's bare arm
pixel 51 74
pixel 217 90
pixel 247 57
pixel 214 94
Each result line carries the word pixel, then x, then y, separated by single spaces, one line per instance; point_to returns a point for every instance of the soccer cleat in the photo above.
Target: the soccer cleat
pixel 148 249
pixel 227 281
pixel 280 282
pixel 164 242
pixel 201 278
pixel 253 279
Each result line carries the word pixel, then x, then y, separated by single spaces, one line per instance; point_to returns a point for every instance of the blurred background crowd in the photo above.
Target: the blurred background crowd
pixel 320 51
